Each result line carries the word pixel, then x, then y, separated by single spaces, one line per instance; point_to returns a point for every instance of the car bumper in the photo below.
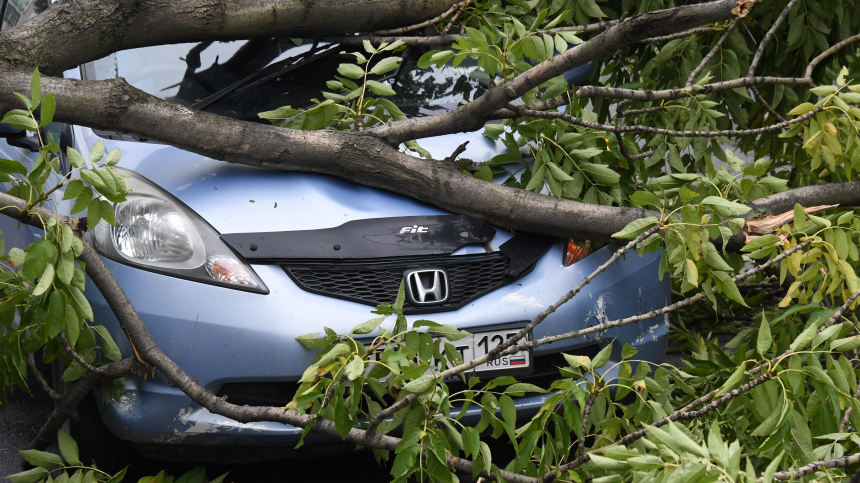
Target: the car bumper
pixel 220 336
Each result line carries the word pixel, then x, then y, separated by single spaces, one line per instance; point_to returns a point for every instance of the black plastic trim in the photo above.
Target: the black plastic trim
pixel 364 239
pixel 405 263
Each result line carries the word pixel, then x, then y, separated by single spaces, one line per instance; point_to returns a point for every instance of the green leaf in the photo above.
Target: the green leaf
pixel 733 381
pixel 8 166
pixel 801 109
pixel 824 91
pixel 18 121
pixel 558 173
pixel 97 152
pixel 108 214
pixel 45 280
pixel 351 70
pixel 420 385
pixel 196 475
pixel 83 201
pixel 75 158
pixel 601 358
pixel 29 476
pixel 41 459
pixel 55 318
pixel 73 188
pixel 725 207
pixel 314 341
pixel 765 340
pixel 385 65
pixel 68 447
pixel 355 368
pixel 48 109
pixel 379 88
pixel 113 157
pixel 38 257
pixel 636 228
pixel 628 351
pixel 485 173
pixel 65 269
pixel 846 344
pixel 601 174
pixel 509 411
pixel 369 326
pixel 109 347
pixel 35 88
pixel 342 421
pixel 94 213
pixel 79 301
pixel 728 288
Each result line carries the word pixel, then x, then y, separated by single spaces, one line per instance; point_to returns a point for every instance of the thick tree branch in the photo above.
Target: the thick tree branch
pixel 73 32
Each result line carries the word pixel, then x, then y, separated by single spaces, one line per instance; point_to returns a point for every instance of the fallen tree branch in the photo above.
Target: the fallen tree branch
pixel 680 35
pixel 46 388
pixel 813 467
pixel 68 404
pixel 74 355
pixel 667 132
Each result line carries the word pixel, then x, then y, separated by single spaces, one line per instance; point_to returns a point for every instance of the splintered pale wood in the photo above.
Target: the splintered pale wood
pixel 763 226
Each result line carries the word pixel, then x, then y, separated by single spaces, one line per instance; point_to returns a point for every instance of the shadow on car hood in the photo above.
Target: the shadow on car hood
pixel 240 199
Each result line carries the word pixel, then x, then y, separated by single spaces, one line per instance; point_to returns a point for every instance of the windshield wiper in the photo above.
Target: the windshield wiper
pixel 266 74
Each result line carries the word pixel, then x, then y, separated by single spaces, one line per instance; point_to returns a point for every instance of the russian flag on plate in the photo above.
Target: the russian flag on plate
pixel 518 360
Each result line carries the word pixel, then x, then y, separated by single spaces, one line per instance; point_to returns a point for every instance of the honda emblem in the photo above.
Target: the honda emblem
pixel 426 286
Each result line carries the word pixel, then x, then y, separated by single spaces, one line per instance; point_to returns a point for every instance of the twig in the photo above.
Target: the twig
pixel 647 110
pixel 769 35
pixel 457 152
pixel 828 53
pixel 764 103
pixel 813 467
pixel 624 152
pixel 425 23
pixel 41 379
pixel 832 320
pixel 376 40
pixel 678 35
pixel 586 412
pixel 844 423
pixel 454 18
pixel 712 53
pixel 668 132
pixel 77 357
pixel 584 29
pixel 639 95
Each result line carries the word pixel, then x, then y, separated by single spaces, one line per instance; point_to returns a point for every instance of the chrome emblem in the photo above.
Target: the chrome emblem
pixel 426 286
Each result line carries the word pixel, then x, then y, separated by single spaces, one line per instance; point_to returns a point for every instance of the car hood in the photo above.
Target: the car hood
pixel 241 199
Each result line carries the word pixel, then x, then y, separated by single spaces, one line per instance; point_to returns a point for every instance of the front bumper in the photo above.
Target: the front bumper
pixel 218 335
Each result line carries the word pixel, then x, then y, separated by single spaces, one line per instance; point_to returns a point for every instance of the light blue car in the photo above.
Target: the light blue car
pixel 227 264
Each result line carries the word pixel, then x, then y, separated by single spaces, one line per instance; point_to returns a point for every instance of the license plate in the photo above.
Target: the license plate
pixel 480 344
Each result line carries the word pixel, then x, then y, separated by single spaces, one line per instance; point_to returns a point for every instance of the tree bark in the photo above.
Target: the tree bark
pixel 72 32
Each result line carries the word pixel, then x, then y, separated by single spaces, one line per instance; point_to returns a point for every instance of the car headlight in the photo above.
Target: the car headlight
pixel 156 232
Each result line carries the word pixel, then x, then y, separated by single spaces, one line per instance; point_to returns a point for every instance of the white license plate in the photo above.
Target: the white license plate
pixel 479 344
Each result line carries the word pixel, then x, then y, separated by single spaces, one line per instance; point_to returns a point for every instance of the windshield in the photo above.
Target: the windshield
pixel 188 73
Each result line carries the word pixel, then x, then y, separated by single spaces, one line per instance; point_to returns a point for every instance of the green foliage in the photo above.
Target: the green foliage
pixel 43 285
pixel 67 467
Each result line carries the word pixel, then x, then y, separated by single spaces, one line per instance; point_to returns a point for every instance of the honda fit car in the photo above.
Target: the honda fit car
pixel 228 264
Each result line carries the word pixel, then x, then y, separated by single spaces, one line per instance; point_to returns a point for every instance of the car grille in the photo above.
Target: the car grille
pixel 373 283
pixel 281 393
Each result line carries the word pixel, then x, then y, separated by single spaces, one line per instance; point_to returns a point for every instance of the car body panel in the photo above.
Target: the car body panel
pixel 256 342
